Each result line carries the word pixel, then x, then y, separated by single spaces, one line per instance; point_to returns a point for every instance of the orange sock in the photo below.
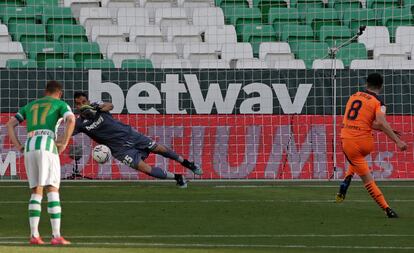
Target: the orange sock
pixel 376 194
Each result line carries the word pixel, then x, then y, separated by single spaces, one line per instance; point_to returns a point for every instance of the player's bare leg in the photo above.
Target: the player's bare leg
pixel 377 195
pixel 54 209
pixel 160 173
pixel 35 209
pixel 169 153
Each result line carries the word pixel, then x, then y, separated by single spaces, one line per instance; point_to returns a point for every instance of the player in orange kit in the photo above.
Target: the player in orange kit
pixel 365 112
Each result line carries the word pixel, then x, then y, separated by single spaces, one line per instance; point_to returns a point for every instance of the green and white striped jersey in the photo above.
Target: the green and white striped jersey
pixel 43 118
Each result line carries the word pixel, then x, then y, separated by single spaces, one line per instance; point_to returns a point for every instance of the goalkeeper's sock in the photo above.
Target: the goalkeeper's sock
pixel 376 194
pixel 54 210
pixel 35 209
pixel 157 172
pixel 343 187
pixel 172 155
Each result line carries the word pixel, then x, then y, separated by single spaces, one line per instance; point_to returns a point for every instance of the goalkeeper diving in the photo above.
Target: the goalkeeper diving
pixel 127 144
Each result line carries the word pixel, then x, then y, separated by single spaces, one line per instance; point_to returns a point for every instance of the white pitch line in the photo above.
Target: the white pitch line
pixel 220 236
pixel 201 201
pixel 205 245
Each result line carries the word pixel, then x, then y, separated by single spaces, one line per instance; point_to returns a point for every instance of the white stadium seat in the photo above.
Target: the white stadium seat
pixel 10 50
pixel 400 65
pixel 76 5
pixel 107 34
pixel 404 35
pixel 157 52
pixel 392 52
pixel 220 35
pixel 200 51
pixel 195 3
pixel 183 34
pixel 212 64
pixel 207 17
pixel 234 51
pixel 275 51
pixel 251 63
pixel 167 17
pixel 133 17
pixel 157 3
pixel 95 17
pixel 368 64
pixel 289 64
pixel 327 64
pixel 142 35
pixel 119 3
pixel 122 51
pixel 4 34
pixel 374 36
pixel 176 64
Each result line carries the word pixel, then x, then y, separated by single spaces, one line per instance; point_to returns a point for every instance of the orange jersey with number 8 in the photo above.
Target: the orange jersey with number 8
pixel 360 112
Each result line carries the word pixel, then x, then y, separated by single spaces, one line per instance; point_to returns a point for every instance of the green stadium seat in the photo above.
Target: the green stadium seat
pixel 137 64
pixel 30 33
pixel 60 63
pixel 345 5
pixel 282 16
pixel 21 63
pixel 243 16
pixel 57 16
pixel 40 4
pixel 265 5
pixel 256 34
pixel 354 51
pixel 302 5
pixel 231 3
pixel 293 33
pixel 317 17
pixel 380 4
pixel 309 51
pixel 12 3
pixel 334 35
pixel 18 15
pixel 394 17
pixel 98 64
pixel 67 33
pixel 82 51
pixel 41 51
pixel 356 18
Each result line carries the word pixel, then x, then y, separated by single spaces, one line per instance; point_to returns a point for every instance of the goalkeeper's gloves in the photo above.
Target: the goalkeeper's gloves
pixel 87 112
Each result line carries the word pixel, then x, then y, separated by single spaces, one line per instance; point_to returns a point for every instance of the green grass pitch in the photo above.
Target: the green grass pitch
pixel 214 217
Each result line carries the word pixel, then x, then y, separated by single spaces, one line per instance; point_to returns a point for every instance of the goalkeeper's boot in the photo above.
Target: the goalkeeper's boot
pixel 195 168
pixel 36 241
pixel 343 188
pixel 181 181
pixel 391 213
pixel 59 241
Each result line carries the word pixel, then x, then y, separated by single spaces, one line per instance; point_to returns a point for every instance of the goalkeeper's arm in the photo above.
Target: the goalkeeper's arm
pixel 103 106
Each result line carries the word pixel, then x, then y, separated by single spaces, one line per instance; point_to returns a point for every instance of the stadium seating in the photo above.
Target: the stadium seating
pixel 212 64
pixel 275 51
pixel 374 36
pixel 309 51
pixel 230 52
pixel 282 16
pixel 351 52
pixel 334 35
pixel 316 18
pixel 404 35
pixel 82 51
pixel 104 35
pixel 57 16
pixel 356 18
pixel 4 34
pixel 194 3
pixel 27 33
pixel 195 52
pixel 175 64
pixel 59 63
pixel 170 17
pixel 231 3
pixel 41 51
pixel 158 52
pixel 10 50
pixel 368 64
pixel 220 35
pixel 183 34
pixel 401 64
pixel 118 3
pixel 265 5
pixel 21 63
pixel 67 33
pixel 95 17
pixel 327 64
pixel 394 17
pixel 76 5
pixel 207 17
pixel 120 52
pixel 129 17
pixel 345 5
pixel 256 34
pixel 137 64
pixel 392 52
pixel 289 64
pixel 98 64
pixel 251 63
pixel 243 16
pixel 292 33
pixel 379 4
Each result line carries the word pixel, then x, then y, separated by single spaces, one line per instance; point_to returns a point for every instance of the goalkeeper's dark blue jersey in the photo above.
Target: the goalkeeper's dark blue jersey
pixel 104 129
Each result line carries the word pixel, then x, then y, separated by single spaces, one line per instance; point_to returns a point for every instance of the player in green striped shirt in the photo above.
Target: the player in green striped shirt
pixel 41 154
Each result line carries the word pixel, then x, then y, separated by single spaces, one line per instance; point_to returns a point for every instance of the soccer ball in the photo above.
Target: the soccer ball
pixel 101 153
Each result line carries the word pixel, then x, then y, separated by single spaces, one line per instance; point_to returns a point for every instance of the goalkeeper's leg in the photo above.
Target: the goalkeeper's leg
pixel 160 173
pixel 171 154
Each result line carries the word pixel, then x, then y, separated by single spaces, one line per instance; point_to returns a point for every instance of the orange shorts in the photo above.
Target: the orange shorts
pixel 355 151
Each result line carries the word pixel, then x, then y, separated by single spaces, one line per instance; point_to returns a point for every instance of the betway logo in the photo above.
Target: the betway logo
pixel 144 97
